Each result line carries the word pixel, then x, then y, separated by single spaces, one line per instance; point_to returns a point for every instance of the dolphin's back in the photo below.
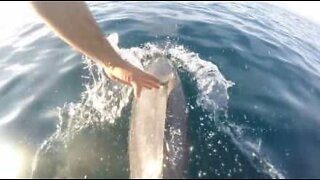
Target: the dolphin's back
pixel 175 142
pixel 149 146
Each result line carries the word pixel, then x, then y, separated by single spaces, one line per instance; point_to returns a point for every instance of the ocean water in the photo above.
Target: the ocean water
pixel 249 71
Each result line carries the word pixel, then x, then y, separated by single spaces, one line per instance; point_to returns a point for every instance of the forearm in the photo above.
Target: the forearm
pixel 73 22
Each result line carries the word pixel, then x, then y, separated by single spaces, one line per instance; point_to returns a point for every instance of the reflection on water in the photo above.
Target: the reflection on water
pixel 11 160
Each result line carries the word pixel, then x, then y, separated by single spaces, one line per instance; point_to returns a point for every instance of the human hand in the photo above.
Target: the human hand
pixel 130 75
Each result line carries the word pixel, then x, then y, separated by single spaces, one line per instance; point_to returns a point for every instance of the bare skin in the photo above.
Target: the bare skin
pixel 73 23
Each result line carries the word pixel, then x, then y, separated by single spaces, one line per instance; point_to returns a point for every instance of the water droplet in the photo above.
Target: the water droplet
pixel 191 148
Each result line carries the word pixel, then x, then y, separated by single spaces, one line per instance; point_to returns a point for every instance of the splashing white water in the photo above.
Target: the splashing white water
pixel 103 100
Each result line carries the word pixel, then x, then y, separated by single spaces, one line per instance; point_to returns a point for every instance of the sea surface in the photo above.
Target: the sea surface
pixel 250 73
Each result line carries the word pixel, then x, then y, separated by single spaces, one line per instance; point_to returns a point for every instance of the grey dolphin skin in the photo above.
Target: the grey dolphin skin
pixel 157 137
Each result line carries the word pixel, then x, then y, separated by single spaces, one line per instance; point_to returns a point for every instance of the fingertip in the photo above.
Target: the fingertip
pixel 151 85
pixel 156 85
pixel 137 90
pixel 137 94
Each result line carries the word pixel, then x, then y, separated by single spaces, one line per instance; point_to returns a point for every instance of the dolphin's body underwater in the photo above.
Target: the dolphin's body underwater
pixel 157 137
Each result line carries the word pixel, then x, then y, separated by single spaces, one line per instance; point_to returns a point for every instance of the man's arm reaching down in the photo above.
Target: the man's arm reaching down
pixel 73 23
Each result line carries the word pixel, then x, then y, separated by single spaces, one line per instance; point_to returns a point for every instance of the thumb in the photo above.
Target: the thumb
pixel 137 89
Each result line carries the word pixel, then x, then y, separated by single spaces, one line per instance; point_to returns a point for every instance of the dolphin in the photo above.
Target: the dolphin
pixel 158 127
pixel 157 145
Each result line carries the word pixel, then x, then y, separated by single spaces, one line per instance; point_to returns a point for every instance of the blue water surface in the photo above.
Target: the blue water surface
pixel 271 55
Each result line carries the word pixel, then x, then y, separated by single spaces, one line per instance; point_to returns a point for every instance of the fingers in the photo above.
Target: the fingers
pixel 119 80
pixel 137 89
pixel 135 78
pixel 142 84
pixel 149 80
pixel 146 85
pixel 152 83
pixel 152 80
